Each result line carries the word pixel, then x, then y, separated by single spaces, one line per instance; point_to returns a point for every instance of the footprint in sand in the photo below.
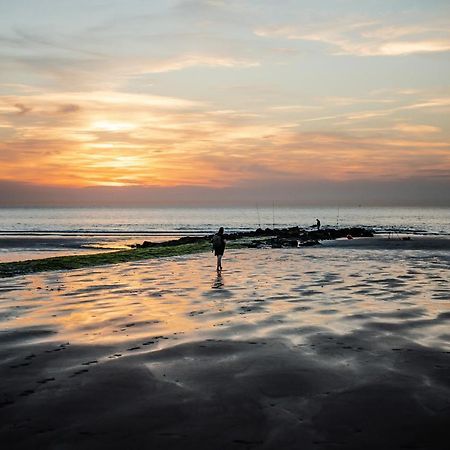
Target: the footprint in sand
pixel 6 403
pixel 58 349
pixel 26 393
pixel 46 380
pixel 79 372
pixel 88 363
pixel 15 366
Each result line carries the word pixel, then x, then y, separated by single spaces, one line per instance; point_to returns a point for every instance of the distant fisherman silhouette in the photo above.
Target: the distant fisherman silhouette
pixel 318 224
pixel 218 247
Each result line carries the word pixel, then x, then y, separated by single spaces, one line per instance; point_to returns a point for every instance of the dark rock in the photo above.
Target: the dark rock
pixel 277 237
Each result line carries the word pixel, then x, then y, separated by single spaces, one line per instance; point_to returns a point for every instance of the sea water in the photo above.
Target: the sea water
pixel 30 232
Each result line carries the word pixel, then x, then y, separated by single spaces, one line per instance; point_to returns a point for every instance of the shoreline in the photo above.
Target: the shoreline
pixel 351 238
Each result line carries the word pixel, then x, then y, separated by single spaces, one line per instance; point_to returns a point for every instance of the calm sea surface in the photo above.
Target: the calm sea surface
pixel 27 232
pixel 187 220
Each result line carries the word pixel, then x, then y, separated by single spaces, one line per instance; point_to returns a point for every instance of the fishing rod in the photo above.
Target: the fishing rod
pixel 259 217
pixel 273 214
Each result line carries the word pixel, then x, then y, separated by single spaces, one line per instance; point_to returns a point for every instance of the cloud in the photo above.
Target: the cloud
pixel 48 102
pixel 58 72
pixel 22 109
pixel 69 108
pixel 186 61
pixel 207 150
pixel 94 57
pixel 420 102
pixel 120 138
pixel 407 47
pixel 409 128
pixel 418 191
pixel 366 38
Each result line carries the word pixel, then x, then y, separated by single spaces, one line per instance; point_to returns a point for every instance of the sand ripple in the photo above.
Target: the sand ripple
pixel 324 347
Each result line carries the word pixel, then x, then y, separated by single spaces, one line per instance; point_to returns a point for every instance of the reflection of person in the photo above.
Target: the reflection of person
pixel 218 243
pixel 318 224
pixel 218 281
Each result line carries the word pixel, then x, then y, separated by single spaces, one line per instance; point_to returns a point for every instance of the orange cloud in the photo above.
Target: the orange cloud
pixel 115 139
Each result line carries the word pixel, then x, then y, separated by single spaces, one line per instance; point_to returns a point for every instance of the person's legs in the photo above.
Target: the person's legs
pixel 219 262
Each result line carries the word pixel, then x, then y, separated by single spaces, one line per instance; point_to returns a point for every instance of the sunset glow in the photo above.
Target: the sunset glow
pixel 221 94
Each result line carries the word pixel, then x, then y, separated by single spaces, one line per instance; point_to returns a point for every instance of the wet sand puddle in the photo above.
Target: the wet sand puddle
pixel 327 347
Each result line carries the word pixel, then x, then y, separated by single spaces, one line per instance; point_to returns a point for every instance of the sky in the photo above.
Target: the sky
pixel 224 102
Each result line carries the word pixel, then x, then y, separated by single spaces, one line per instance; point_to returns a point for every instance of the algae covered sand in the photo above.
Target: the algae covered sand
pixel 98 259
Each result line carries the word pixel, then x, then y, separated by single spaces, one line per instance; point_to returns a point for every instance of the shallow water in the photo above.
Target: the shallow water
pixel 261 293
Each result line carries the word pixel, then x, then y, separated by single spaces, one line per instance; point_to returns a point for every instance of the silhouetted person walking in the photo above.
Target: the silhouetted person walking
pixel 318 224
pixel 218 243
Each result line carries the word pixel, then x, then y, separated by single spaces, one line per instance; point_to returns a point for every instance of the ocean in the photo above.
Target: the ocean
pixel 28 233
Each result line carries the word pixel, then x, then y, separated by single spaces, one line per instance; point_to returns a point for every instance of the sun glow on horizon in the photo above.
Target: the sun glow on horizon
pixel 189 94
pixel 114 127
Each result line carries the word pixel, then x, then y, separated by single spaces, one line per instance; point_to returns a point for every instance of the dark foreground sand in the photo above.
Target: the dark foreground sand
pixel 319 348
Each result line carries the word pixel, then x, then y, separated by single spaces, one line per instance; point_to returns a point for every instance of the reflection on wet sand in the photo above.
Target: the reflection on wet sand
pixel 218 282
pixel 324 347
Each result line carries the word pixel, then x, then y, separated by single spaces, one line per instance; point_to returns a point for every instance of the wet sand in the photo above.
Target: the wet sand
pixel 22 247
pixel 315 348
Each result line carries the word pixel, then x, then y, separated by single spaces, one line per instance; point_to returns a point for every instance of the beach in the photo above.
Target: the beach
pixel 304 142
pixel 338 346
